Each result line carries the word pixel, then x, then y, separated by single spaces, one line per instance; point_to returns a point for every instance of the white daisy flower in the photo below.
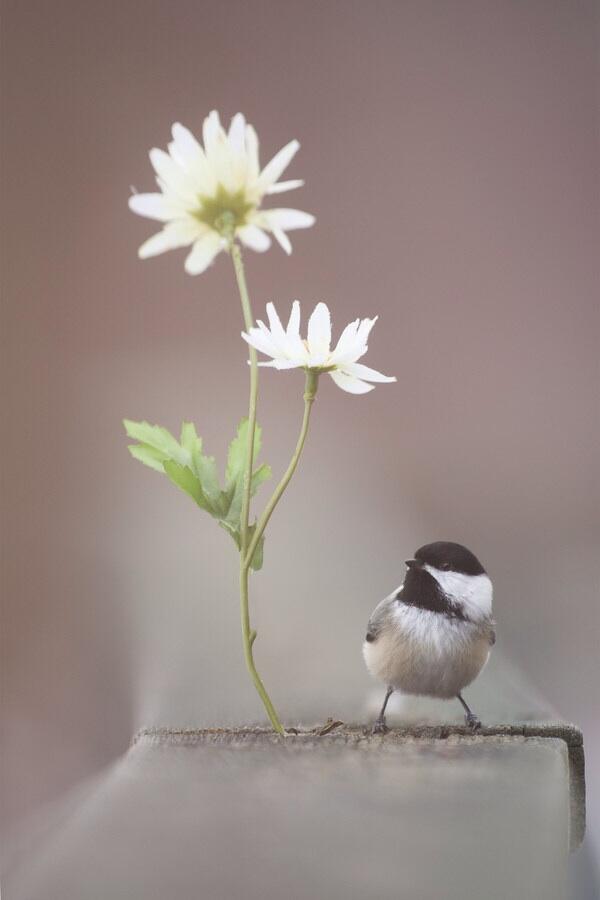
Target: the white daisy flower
pixel 289 351
pixel 211 194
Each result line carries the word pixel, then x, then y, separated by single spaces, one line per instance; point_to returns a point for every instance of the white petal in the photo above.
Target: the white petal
pixel 295 345
pixel 173 235
pixel 188 229
pixel 271 172
pixel 187 145
pixel 364 329
pixel 175 154
pixel 219 153
pixel 282 186
pixel 276 348
pixel 282 364
pixel 236 135
pixel 203 252
pixel 293 327
pixel 258 340
pixel 277 332
pixel 211 131
pixel 158 243
pixel 173 180
pixel 344 349
pixel 353 347
pixel 252 153
pixel 254 237
pixel 319 333
pixel 188 151
pixel 350 384
pixel 161 162
pixel 172 175
pixel 360 371
pixel 288 219
pixel 283 240
pixel 153 206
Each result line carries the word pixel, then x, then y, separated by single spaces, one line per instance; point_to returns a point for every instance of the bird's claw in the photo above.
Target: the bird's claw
pixel 472 722
pixel 379 727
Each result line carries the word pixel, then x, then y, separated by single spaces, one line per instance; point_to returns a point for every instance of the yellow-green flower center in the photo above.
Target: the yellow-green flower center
pixel 223 211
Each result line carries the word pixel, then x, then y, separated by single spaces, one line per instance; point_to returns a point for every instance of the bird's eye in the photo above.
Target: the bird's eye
pixel 445 566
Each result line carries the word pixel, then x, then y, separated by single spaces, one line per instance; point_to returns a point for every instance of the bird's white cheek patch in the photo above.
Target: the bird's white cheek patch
pixel 473 592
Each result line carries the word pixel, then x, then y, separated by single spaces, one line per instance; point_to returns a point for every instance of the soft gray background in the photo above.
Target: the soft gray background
pixel 451 157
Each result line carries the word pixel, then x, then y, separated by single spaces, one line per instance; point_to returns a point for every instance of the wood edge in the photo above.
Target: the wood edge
pixel 360 734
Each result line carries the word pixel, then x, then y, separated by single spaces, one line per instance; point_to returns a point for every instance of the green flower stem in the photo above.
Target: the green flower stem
pixel 310 392
pixel 249 636
pixel 248 633
pixel 238 265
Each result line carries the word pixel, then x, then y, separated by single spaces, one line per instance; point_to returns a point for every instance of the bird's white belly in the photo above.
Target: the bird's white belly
pixel 423 652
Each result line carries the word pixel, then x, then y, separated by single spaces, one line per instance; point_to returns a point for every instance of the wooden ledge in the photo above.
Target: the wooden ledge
pixel 360 736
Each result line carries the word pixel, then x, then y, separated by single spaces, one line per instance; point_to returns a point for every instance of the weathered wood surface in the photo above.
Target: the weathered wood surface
pixel 360 737
pixel 227 816
pixel 428 811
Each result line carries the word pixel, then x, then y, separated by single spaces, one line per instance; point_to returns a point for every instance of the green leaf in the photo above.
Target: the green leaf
pixel 189 440
pixel 206 470
pixel 234 531
pixel 185 479
pixel 159 438
pixel 204 467
pixel 148 455
pixel 234 477
pixel 185 465
pixel 263 473
pixel 257 558
pixel 238 448
pixel 232 501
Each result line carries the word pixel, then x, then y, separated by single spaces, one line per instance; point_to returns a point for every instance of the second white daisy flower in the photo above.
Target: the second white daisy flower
pixel 289 351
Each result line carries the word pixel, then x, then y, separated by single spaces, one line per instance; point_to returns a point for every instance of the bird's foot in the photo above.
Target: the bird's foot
pixel 380 727
pixel 472 721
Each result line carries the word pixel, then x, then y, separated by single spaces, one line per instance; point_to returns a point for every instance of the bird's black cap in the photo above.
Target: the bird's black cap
pixel 448 555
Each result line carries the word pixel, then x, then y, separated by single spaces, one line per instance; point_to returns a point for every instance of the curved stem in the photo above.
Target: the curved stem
pixel 310 392
pixel 248 633
pixel 249 636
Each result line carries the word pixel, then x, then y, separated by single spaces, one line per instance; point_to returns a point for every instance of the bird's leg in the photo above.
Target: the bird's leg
pixel 470 718
pixel 380 727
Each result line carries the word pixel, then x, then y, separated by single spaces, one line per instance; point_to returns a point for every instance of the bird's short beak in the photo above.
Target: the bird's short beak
pixel 413 563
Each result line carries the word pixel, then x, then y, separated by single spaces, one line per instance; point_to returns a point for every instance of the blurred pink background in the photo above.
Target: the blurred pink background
pixel 450 153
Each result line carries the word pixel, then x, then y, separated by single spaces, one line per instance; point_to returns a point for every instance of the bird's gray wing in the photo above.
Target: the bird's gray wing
pixel 380 616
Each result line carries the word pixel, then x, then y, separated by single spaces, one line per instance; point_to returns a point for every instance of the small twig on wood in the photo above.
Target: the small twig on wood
pixel 330 725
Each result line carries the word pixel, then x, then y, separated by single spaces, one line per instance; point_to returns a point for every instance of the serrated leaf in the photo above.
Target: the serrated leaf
pixel 184 478
pixel 206 469
pixel 232 504
pixel 238 448
pixel 148 455
pixel 159 439
pixel 233 499
pixel 185 465
pixel 233 530
pixel 263 473
pixel 189 439
pixel 234 479
pixel 202 466
pixel 257 558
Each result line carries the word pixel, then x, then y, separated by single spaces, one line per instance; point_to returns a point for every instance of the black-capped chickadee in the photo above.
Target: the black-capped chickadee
pixel 432 636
